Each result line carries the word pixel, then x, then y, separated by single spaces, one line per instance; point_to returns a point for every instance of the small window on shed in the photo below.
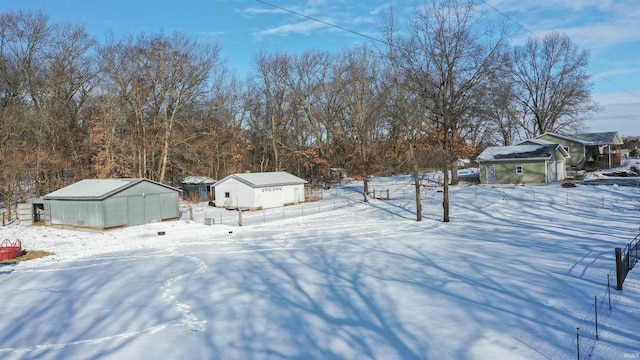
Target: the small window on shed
pixel 227 195
pixel 519 169
pixel 566 148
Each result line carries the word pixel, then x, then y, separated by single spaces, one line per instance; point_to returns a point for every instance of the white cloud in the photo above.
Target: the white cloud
pixel 591 23
pixel 302 27
pixel 254 11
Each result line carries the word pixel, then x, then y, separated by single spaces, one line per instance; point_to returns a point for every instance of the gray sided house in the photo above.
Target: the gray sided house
pixel 110 203
pixel 197 187
pixel 256 191
pixel 522 164
pixel 589 151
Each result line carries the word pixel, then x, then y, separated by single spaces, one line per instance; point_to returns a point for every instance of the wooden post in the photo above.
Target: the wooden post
pixel 388 194
pixel 190 212
pixel 239 217
pixel 619 274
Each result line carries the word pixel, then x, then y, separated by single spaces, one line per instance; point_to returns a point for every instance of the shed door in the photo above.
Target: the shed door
pixel 561 169
pixel 553 172
pixel 271 197
pixel 491 175
pixel 135 205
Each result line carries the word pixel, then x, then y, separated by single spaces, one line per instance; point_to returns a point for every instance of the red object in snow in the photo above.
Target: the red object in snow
pixel 10 250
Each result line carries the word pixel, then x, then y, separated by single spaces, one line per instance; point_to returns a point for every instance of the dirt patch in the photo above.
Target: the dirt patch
pixel 28 255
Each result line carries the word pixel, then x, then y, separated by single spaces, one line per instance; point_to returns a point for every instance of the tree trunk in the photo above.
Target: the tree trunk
pixel 416 181
pixel 445 192
pixel 455 180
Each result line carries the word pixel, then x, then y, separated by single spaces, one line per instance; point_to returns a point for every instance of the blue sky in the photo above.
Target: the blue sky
pixel 610 29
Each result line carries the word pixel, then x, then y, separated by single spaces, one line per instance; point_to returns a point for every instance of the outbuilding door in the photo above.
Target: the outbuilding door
pixel 552 171
pixel 135 204
pixel 491 175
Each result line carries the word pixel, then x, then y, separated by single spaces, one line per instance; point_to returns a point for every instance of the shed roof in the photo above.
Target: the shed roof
pixel 520 152
pixel 97 188
pixel 198 180
pixel 264 179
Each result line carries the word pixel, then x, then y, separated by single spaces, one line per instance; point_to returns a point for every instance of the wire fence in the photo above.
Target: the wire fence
pixel 492 194
pixel 590 315
pixel 244 218
pixel 626 259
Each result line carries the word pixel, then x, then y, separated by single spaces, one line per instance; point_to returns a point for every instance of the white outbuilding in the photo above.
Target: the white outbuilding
pixel 256 191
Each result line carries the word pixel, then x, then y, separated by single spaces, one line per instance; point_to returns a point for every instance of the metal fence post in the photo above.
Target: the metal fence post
pixel 595 306
pixel 609 290
pixel 578 341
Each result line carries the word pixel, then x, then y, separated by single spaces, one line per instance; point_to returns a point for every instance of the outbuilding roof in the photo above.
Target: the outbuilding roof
pixel 97 188
pixel 264 179
pixel 198 180
pixel 602 138
pixel 522 152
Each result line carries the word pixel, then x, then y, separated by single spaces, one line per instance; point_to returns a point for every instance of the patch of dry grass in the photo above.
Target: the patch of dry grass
pixel 27 255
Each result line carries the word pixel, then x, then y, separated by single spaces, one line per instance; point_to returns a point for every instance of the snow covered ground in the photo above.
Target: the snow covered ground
pixel 512 276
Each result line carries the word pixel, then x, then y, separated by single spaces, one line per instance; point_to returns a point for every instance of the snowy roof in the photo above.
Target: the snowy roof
pixel 266 179
pixel 198 180
pixel 520 152
pixel 603 138
pixel 96 188
pixel 535 141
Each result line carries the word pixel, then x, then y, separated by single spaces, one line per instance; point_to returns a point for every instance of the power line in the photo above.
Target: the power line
pixel 321 21
pixel 538 36
pixel 385 43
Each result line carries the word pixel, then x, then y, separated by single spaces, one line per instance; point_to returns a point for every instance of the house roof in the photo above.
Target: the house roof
pixel 198 180
pixel 265 179
pixel 97 189
pixel 522 152
pixel 602 138
pixel 535 141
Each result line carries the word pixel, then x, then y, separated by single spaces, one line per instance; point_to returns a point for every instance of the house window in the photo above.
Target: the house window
pixel 566 148
pixel 518 169
pixel 227 195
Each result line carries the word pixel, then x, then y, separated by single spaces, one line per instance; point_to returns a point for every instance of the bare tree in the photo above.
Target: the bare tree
pixel 361 125
pixel 153 78
pixel 272 110
pixel 451 55
pixel 47 73
pixel 408 129
pixel 552 84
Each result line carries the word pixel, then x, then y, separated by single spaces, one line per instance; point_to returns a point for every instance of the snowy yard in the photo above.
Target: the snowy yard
pixel 510 277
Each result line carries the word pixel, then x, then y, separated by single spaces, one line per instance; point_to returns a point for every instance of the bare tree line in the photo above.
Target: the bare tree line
pixel 164 106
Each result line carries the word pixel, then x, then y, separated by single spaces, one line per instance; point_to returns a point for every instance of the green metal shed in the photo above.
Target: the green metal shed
pixel 522 164
pixel 110 203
